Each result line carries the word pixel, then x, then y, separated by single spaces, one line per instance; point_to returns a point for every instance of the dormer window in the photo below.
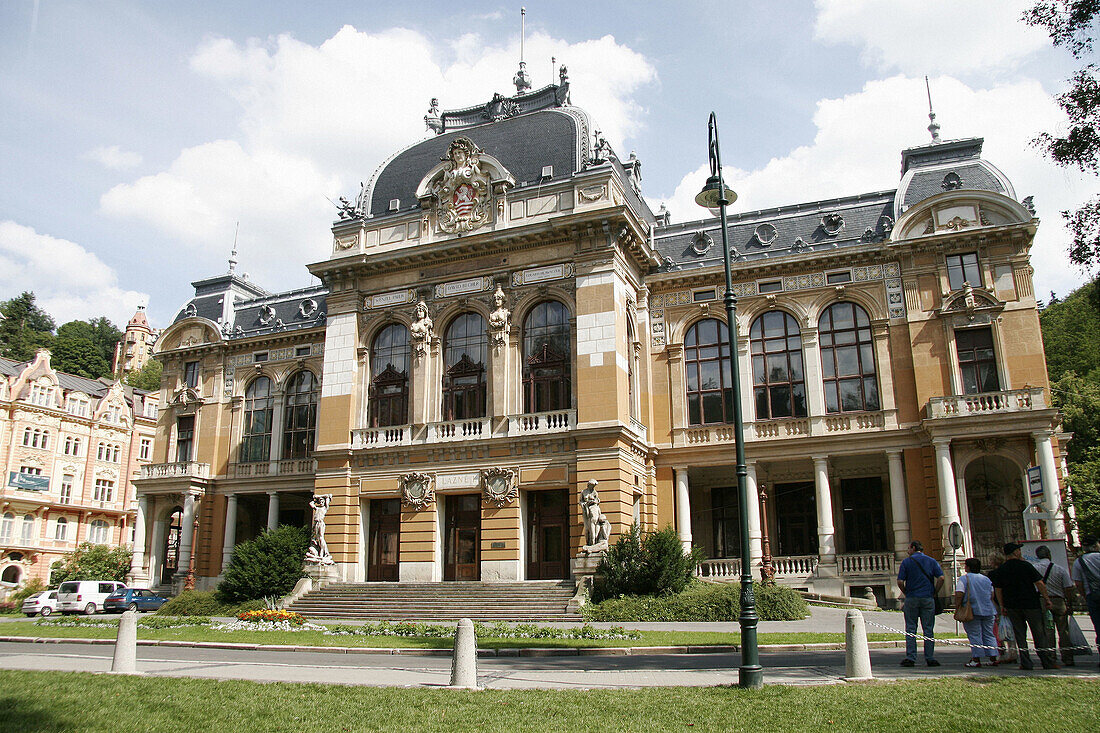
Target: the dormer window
pixel 963 268
pixel 78 406
pixel 40 395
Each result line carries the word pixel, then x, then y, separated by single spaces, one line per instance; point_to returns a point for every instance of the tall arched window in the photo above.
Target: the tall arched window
pixel 99 532
pixel 547 352
pixel 389 377
pixel 300 415
pixel 259 407
pixel 779 386
pixel 465 350
pixel 27 535
pixel 847 359
pixel 707 373
pixel 7 525
pixel 61 529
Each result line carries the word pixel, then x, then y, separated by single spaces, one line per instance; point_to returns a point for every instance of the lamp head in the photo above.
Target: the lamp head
pixel 714 194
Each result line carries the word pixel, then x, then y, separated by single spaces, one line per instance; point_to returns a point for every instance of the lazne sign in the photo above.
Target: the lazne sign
pixel 28 482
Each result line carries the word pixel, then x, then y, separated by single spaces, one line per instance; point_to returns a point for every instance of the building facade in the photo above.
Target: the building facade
pixel 71 447
pixel 503 319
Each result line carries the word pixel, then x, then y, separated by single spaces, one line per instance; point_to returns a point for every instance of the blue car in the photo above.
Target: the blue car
pixel 136 599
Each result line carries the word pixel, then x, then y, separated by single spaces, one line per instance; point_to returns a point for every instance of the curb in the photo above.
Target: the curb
pixel 596 651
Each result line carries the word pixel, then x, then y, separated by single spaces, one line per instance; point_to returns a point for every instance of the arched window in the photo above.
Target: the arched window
pixel 779 386
pixel 259 406
pixel 547 373
pixel 7 526
pixel 61 529
pixel 27 535
pixel 465 349
pixel 98 532
pixel 707 373
pixel 847 359
pixel 11 574
pixel 300 415
pixel 389 377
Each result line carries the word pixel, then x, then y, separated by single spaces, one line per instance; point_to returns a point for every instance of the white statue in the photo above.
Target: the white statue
pixel 498 319
pixel 318 548
pixel 597 528
pixel 421 331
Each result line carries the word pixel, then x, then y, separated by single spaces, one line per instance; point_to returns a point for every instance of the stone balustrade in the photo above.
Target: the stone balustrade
pixel 452 430
pixel 801 566
pixel 535 423
pixel 557 421
pixel 728 568
pixel 798 427
pixel 179 469
pixel 866 563
pixel 387 437
pixel 987 403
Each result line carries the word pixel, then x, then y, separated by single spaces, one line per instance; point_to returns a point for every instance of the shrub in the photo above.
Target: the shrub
pixel 92 562
pixel 204 603
pixel 269 565
pixel 32 586
pixel 7 607
pixel 701 602
pixel 653 565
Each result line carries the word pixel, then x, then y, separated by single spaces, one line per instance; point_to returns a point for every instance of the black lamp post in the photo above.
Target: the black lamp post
pixel 715 194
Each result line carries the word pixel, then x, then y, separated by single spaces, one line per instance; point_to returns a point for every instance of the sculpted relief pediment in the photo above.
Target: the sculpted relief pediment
pixel 955 211
pixel 460 191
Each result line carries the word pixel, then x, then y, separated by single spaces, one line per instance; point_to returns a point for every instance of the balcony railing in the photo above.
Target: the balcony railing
pixel 536 423
pixel 799 566
pixel 987 403
pixel 180 469
pixel 284 467
pixel 442 432
pixel 846 423
pixel 867 563
pixel 720 569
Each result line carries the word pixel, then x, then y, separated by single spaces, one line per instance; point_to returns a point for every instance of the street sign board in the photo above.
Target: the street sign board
pixel 28 482
pixel 1035 482
pixel 955 535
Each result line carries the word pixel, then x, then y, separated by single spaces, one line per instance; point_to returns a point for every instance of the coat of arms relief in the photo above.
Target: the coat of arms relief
pixel 460 189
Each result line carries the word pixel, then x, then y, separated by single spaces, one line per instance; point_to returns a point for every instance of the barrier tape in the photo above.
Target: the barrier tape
pixel 955 642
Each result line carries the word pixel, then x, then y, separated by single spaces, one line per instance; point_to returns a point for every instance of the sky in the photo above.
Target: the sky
pixel 139 140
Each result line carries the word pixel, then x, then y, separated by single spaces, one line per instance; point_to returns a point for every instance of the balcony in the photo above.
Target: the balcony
pixel 987 403
pixel 866 563
pixel 845 423
pixel 179 469
pixel 537 423
pixel 284 467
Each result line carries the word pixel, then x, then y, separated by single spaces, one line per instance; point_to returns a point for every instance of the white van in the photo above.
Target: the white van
pixel 85 596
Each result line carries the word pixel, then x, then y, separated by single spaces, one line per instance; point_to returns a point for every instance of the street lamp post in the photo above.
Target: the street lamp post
pixel 716 195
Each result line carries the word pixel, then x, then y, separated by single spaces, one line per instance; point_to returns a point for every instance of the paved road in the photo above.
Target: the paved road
pixel 799 668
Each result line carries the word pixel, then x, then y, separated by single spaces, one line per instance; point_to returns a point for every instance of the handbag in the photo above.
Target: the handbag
pixel 1077 639
pixel 965 612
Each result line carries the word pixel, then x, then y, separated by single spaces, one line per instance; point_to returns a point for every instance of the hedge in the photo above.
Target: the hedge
pixel 205 603
pixel 701 602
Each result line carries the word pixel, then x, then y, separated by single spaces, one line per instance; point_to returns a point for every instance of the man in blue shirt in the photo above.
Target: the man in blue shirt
pixel 920 579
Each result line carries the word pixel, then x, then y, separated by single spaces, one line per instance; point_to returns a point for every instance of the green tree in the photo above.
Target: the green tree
pixel 1071 25
pixel 269 565
pixel 147 378
pixel 77 355
pixel 653 564
pixel 92 562
pixel 1071 333
pixel 25 328
pixel 105 335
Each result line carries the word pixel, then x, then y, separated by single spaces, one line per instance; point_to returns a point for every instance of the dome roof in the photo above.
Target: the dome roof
pixel 947 166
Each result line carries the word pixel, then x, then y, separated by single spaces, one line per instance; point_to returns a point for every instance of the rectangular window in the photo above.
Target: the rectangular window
pixel 104 490
pixel 699 296
pixel 964 269
pixel 78 406
pixel 771 286
pixel 864 514
pixel 191 374
pixel 302 351
pixel 40 395
pixel 185 436
pixel 72 446
pixel 145 449
pixel 837 278
pixel 30 470
pixel 259 357
pixel 977 360
pixel 67 488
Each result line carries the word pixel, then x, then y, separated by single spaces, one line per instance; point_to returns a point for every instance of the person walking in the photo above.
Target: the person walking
pixel 1086 573
pixel 920 579
pixel 1061 591
pixel 1022 596
pixel 977 590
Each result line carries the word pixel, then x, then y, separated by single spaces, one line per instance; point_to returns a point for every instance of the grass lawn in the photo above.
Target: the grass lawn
pixel 317 638
pixel 78 701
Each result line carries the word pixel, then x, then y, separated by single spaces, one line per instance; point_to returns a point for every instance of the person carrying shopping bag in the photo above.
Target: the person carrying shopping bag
pixel 974 599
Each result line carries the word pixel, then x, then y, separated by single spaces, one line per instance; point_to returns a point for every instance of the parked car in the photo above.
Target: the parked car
pixel 137 599
pixel 85 596
pixel 43 602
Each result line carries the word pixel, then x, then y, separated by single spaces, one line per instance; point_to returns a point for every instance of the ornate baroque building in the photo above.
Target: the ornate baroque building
pixel 136 346
pixel 503 319
pixel 71 447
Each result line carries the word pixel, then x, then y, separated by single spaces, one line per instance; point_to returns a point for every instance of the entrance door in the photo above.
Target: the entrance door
pixel 382 543
pixel 796 512
pixel 172 546
pixel 462 543
pixel 547 535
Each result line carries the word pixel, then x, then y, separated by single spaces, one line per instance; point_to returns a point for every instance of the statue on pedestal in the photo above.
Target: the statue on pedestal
pixel 318 549
pixel 597 528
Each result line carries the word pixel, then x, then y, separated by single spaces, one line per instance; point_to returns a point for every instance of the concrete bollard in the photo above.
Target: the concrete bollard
pixel 857 657
pixel 125 659
pixel 464 662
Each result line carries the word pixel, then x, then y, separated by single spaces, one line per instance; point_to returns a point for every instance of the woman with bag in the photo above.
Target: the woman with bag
pixel 974 608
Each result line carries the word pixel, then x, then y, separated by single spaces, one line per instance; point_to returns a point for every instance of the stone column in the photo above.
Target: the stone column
pixel 744 362
pixel 826 535
pixel 752 511
pixel 949 499
pixel 230 529
pixel 811 366
pixel 272 509
pixel 683 508
pixel 899 504
pixel 187 532
pixel 137 564
pixel 156 551
pixel 1052 496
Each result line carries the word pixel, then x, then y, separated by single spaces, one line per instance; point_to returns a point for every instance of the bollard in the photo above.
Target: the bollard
pixel 857 657
pixel 464 662
pixel 125 659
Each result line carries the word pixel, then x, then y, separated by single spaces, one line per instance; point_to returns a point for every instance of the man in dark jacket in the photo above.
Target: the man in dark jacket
pixel 1022 597
pixel 920 579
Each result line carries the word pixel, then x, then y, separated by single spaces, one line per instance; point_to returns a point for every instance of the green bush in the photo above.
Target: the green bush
pixel 92 562
pixel 269 565
pixel 701 602
pixel 651 565
pixel 204 603
pixel 28 589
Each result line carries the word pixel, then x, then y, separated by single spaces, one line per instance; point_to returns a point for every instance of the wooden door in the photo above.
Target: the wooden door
pixel 172 538
pixel 547 535
pixel 462 541
pixel 384 533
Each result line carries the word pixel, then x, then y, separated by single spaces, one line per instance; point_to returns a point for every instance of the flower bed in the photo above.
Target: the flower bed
pixel 499 630
pixel 291 618
pixel 264 625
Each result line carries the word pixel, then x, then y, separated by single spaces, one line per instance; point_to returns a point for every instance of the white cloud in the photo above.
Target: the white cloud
pixel 854 151
pixel 919 37
pixel 113 157
pixel 317 120
pixel 69 281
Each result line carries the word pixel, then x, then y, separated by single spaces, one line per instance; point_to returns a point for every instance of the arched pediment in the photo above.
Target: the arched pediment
pixel 461 187
pixel 187 333
pixel 954 211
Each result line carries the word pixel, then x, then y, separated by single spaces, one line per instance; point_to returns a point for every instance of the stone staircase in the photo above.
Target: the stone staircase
pixel 448 601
